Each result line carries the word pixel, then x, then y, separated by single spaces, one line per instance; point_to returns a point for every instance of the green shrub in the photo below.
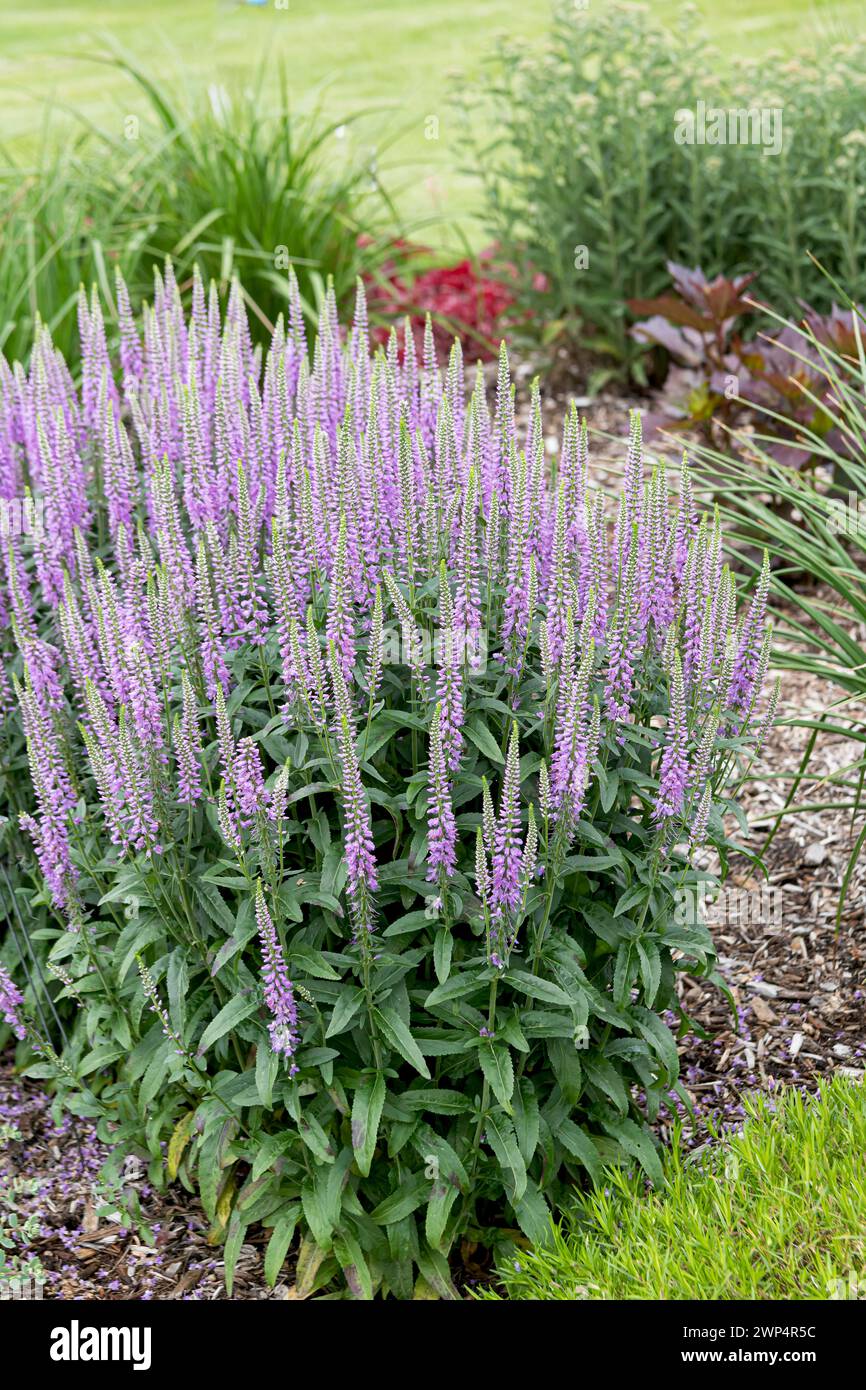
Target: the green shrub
pixel 777 1211
pixel 585 161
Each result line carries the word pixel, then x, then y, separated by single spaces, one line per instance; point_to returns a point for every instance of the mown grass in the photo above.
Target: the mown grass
pixel 777 1211
pixel 391 54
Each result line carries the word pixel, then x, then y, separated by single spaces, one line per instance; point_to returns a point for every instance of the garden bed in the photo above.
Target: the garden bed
pixel 798 987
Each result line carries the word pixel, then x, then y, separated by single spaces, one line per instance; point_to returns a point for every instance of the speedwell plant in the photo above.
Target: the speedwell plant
pixel 369 755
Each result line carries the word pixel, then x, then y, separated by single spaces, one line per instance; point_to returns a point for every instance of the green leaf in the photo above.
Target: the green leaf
pixel 650 968
pixel 630 898
pixel 229 1016
pixel 278 1245
pixel 267 1070
pixel 581 1147
pixel 214 905
pixel 232 1248
pixel 312 962
pixel 348 1003
pixel 457 987
pixel 526 1119
pixel 442 1199
pixel 503 1141
pixel 533 1215
pixel 589 863
pixel 498 1069
pixel 480 735
pixel 637 1142
pixel 210 1165
pixel 537 988
pixel 434 1267
pixel 315 1138
pixel 565 1060
pixel 354 1266
pixel 443 944
pixel 624 973
pixel 366 1114
pixel 438 1102
pixel 397 1035
pixel 177 980
pixel 659 1037
pixel 408 1197
pixel 408 924
pixel 607 1079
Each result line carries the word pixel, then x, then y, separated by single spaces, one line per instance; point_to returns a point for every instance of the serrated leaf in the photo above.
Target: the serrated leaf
pixel 659 1037
pixel 638 1144
pixel 408 1197
pixel 650 969
pixel 311 962
pixel 526 1118
pixel 267 1070
pixel 498 1069
pixel 348 1003
pixel 503 1141
pixel 630 898
pixel 442 1199
pixel 231 1250
pixel 537 988
pixel 581 1147
pixel 354 1266
pixel 480 735
pixel 533 1215
pixel 457 987
pixel 397 1035
pixel 607 1079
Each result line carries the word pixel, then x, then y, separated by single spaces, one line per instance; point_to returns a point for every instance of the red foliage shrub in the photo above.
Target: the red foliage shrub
pixel 470 299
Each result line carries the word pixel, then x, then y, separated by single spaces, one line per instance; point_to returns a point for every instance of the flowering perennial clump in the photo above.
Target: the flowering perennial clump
pixel 380 742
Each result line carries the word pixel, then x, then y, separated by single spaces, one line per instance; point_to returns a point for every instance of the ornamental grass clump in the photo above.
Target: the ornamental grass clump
pixel 369 753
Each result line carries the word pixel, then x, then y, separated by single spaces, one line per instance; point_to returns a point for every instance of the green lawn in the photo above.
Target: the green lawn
pixel 774 1212
pixel 397 55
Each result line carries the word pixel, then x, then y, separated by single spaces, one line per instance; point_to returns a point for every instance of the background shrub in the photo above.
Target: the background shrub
pixel 227 182
pixel 584 158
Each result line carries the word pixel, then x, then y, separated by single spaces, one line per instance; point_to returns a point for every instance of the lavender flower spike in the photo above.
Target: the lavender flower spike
pixel 11 1002
pixel 278 990
pixel 674 765
pixel 506 843
pixel 443 831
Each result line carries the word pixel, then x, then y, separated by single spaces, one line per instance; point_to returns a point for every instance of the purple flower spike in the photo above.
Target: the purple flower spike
pixel 278 990
pixel 11 1003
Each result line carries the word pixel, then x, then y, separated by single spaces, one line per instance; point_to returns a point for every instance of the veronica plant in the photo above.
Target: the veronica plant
pixel 368 757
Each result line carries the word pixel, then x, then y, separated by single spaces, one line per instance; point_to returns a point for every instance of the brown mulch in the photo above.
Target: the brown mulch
pixel 76 1232
pixel 798 983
